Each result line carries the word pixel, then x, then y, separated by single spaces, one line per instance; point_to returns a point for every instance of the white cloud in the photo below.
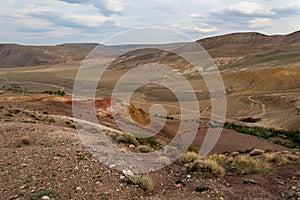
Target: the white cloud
pixel 206 30
pixel 83 20
pixel 260 22
pixel 115 6
pixel 250 8
pixel 86 20
pixel 197 15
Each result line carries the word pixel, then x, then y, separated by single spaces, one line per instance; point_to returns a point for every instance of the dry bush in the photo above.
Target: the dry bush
pixel 143 149
pixel 144 182
pixel 163 160
pixel 206 167
pixel 219 158
pixel 127 139
pixel 188 157
pixel 275 158
pixel 292 157
pixel 247 164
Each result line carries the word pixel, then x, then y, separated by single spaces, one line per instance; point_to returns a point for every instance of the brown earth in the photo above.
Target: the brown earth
pixel 55 159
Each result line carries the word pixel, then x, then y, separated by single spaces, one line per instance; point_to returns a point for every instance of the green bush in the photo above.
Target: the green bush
pixel 150 141
pixel 293 136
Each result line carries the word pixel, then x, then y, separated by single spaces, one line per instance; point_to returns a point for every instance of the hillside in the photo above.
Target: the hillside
pixel 232 50
pixel 13 55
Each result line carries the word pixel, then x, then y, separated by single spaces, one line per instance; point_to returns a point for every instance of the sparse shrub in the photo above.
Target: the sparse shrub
pixel 246 164
pixel 172 151
pixel 163 160
pixel 143 149
pixel 219 158
pixel 292 135
pixel 58 92
pixel 207 168
pixel 150 141
pixel 188 157
pixel 104 197
pixel 48 192
pixel 26 140
pixel 15 111
pixel 144 182
pixel 293 158
pixel 192 149
pixel 8 115
pixel 127 139
pixel 275 158
pixel 49 120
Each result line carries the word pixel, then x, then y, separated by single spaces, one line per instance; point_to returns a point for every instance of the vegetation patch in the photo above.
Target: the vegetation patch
pixel 293 136
pixel 206 168
pixel 247 164
pixel 188 157
pixel 143 149
pixel 144 182
pixel 127 139
pixel 55 92
pixel 48 192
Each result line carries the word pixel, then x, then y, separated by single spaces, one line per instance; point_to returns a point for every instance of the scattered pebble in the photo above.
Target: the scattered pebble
pixel 249 181
pixel 45 198
pixel 202 188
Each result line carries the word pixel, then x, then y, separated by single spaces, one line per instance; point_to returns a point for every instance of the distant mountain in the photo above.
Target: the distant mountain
pixel 13 55
pixel 248 49
pixel 236 49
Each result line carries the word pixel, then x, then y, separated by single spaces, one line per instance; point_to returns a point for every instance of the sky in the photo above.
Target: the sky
pixel 50 22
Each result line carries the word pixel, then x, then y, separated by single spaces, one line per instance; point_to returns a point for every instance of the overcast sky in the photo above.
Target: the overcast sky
pixel 61 21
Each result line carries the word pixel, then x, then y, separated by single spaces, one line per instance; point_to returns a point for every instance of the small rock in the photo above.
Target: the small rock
pixel 180 182
pixel 256 152
pixel 98 182
pixel 189 176
pixel 15 196
pixel 280 183
pixel 131 146
pixel 78 189
pixel 202 188
pixel 128 173
pixel 249 181
pixel 45 198
pixel 122 177
pixel 112 166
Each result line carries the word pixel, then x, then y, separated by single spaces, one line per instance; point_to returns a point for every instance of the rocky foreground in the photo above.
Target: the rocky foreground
pixel 41 161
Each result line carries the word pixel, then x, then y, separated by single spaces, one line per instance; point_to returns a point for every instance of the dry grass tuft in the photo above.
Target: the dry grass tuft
pixel 247 164
pixel 188 157
pixel 143 149
pixel 163 160
pixel 144 182
pixel 207 168
pixel 127 139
